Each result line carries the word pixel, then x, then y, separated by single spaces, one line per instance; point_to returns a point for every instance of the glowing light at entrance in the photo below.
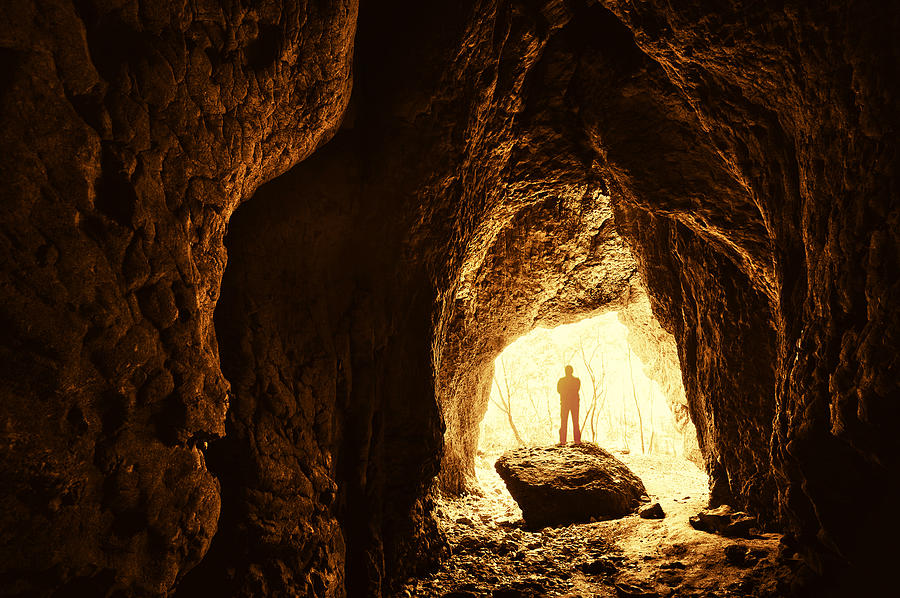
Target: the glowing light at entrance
pixel 620 407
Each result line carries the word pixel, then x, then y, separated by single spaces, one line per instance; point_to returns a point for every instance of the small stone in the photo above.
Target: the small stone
pixel 723 520
pixel 740 526
pixel 654 511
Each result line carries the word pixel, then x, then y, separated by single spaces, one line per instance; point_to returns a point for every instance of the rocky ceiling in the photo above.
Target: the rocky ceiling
pixel 459 173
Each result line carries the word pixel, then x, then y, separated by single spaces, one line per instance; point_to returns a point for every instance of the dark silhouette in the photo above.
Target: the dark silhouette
pixel 568 387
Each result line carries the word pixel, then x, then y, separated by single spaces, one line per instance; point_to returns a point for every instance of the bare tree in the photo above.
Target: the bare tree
pixel 592 413
pixel 505 404
pixel 652 423
pixel 568 355
pixel 636 406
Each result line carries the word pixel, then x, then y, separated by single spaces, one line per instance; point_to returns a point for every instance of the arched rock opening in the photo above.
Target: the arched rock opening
pixel 630 400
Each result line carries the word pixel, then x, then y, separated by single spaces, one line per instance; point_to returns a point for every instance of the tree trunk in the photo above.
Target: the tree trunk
pixel 506 406
pixel 636 406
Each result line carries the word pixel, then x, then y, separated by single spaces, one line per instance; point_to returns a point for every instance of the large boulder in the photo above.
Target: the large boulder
pixel 557 485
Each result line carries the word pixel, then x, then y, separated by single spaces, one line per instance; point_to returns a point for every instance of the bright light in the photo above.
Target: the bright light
pixel 620 408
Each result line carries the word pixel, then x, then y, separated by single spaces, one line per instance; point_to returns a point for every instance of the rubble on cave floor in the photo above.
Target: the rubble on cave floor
pixel 493 554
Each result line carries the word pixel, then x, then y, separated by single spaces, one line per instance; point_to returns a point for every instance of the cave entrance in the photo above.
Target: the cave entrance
pixel 633 405
pixel 632 400
pixel 620 409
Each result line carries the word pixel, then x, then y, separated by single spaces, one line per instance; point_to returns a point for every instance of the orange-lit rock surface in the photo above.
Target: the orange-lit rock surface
pixel 493 552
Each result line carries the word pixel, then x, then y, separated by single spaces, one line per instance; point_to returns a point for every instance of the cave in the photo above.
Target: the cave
pixel 258 259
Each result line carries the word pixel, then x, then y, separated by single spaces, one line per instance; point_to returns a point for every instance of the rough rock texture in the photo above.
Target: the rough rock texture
pixel 333 430
pixel 558 485
pixel 654 511
pixel 748 153
pixel 761 208
pixel 325 331
pixel 657 157
pixel 130 132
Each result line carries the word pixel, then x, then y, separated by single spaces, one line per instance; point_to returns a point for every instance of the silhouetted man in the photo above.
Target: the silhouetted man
pixel 568 387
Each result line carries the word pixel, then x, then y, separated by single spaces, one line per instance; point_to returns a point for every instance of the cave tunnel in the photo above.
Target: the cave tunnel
pixel 259 259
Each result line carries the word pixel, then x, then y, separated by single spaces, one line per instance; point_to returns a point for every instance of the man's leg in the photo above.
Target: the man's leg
pixel 576 431
pixel 563 420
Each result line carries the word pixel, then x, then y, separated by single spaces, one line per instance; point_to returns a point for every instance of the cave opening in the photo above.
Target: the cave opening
pixel 620 408
pixel 631 405
pixel 632 400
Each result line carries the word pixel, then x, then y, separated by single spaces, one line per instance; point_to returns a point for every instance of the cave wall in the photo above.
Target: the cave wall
pixel 130 132
pixel 333 429
pixel 707 275
pixel 791 159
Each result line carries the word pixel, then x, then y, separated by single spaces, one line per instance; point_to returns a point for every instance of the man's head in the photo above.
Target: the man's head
pixel 569 370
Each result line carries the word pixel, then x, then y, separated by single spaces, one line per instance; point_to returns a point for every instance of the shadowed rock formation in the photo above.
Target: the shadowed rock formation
pixel 130 133
pixel 501 165
pixel 560 485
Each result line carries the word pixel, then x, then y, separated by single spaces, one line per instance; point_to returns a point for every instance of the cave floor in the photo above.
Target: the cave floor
pixel 493 554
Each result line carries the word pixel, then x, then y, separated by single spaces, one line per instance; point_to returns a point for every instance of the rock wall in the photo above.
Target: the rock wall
pixel 130 132
pixel 765 231
pixel 333 429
